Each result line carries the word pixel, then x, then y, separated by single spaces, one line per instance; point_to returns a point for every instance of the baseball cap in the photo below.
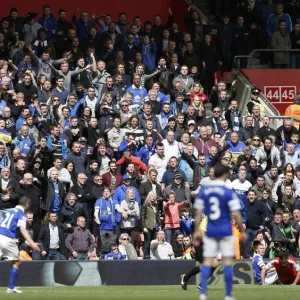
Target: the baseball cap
pixel 191 122
pixel 125 177
pixel 177 175
pixel 82 139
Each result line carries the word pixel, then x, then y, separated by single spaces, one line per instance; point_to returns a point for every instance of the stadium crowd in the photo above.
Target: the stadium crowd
pixel 103 126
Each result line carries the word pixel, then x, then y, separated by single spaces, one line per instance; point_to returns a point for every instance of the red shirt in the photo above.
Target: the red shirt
pixel 288 273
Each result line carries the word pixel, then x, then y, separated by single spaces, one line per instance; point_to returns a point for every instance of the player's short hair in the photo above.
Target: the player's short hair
pixel 23 201
pixel 256 244
pixel 221 170
pixel 283 254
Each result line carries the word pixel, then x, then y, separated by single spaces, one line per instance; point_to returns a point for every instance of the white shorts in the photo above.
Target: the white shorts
pixel 8 248
pixel 214 246
pixel 271 277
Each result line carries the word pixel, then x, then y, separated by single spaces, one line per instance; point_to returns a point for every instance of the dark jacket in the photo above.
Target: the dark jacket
pixel 255 214
pixel 28 91
pixel 146 188
pixel 33 193
pixel 44 238
pixel 48 194
pixel 84 194
pixel 70 214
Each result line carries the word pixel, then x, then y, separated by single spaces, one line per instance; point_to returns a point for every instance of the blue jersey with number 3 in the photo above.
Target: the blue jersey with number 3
pixel 218 201
pixel 10 220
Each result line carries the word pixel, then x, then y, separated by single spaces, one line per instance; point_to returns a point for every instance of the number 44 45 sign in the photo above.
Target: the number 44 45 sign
pixel 280 94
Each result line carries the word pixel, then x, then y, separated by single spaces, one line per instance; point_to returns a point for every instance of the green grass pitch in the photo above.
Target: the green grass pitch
pixel 241 292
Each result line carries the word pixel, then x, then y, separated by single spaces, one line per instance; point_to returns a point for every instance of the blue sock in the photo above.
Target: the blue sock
pixel 205 274
pixel 14 272
pixel 228 275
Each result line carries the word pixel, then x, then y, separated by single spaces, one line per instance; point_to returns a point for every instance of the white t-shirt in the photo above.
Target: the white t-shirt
pixel 160 165
pixel 171 149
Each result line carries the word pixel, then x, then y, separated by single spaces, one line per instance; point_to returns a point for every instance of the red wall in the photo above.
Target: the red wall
pixel 279 86
pixel 146 9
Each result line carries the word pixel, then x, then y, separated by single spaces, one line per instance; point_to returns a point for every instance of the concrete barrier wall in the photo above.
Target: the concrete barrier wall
pixel 96 273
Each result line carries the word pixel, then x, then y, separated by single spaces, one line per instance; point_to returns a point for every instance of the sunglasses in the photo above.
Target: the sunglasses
pixel 216 111
pixel 114 249
pixel 124 105
pixel 126 239
pixel 256 140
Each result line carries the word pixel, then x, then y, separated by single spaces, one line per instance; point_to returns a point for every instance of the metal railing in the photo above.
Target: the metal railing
pixel 250 56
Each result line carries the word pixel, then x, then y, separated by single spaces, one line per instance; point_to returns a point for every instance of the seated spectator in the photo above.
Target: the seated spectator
pixel 33 227
pixel 178 246
pixel 160 249
pixel 80 243
pixel 115 254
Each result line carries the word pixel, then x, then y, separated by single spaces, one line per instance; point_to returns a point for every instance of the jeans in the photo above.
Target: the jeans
pixel 251 233
pixel 106 238
pixel 170 234
pixel 148 237
pixel 81 256
pixel 55 255
pixel 295 61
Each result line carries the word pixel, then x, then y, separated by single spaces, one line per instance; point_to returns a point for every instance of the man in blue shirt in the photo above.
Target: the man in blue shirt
pixel 217 201
pixel 60 91
pixel 10 221
pixel 106 209
pixel 147 150
pixel 138 92
pixel 258 264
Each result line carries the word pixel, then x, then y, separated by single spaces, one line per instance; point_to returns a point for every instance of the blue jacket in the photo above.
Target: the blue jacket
pixel 123 147
pixel 145 153
pixel 173 108
pixel 149 56
pixel 82 28
pixel 120 195
pixel 19 123
pixel 137 94
pixel 272 26
pixel 63 96
pixel 64 148
pixel 25 144
pixel 107 213
pixel 186 225
pixel 115 256
pixel 49 25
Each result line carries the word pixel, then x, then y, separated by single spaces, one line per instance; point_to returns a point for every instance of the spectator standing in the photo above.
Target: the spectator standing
pixel 172 221
pixel 105 216
pixel 281 40
pixel 130 213
pixel 80 243
pixel 52 239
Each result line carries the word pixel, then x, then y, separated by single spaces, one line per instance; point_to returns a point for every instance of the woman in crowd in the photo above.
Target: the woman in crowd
pixel 150 221
pixel 131 213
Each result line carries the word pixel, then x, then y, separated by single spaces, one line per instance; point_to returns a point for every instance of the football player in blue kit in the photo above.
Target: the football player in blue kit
pixel 10 221
pixel 218 202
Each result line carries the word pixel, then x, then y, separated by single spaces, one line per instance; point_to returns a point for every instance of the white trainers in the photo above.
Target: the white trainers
pixel 14 290
pixel 229 298
pixel 203 297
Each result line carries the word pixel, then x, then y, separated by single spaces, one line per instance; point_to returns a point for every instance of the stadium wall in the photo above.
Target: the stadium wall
pixel 145 9
pixel 96 273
